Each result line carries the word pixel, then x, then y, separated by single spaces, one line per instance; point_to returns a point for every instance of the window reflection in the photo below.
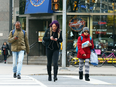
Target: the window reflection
pixel 91 6
pixel 102 29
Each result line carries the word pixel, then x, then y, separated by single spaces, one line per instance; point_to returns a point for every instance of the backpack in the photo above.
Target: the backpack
pixel 13 31
pixel 81 40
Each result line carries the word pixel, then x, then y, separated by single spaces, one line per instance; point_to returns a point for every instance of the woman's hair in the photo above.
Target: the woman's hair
pixel 57 24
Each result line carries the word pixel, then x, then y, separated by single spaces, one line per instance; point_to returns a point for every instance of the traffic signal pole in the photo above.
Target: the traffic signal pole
pixel 10 15
pixel 64 35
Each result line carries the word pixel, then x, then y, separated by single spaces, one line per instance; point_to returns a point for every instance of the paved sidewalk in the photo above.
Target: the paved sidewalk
pixel 6 69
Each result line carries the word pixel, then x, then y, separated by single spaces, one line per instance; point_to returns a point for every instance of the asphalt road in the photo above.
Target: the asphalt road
pixel 63 81
pixel 73 81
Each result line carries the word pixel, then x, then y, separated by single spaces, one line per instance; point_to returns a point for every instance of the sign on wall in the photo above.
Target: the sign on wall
pixel 40 35
pixel 38 6
pixel 76 24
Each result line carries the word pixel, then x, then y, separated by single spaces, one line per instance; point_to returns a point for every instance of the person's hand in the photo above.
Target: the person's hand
pixel 16 37
pixel 51 38
pixel 55 39
pixel 84 54
pixel 89 44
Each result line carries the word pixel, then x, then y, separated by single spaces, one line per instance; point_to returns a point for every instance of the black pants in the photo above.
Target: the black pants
pixel 52 55
pixel 5 57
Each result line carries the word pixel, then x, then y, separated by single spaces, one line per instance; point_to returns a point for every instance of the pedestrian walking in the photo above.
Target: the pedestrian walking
pixel 5 49
pixel 19 44
pixel 84 52
pixel 53 37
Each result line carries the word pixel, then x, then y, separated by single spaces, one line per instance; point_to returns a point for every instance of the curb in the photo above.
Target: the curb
pixel 77 74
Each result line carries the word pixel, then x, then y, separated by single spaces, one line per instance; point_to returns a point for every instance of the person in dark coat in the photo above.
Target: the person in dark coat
pixel 84 53
pixel 53 37
pixel 5 49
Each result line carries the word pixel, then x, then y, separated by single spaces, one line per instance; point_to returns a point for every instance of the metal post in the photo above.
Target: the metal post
pixel 64 35
pixel 10 15
pixel 100 18
pixel 27 59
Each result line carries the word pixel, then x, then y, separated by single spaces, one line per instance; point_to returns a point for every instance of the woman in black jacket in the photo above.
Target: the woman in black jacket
pixel 5 49
pixel 52 38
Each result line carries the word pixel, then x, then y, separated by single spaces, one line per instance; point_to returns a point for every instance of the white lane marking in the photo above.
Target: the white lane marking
pixel 25 80
pixel 14 79
pixel 92 81
pixel 37 81
pixel 19 83
pixel 20 86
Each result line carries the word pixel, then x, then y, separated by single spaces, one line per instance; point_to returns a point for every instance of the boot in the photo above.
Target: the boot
pixel 18 77
pixel 55 78
pixel 49 73
pixel 80 75
pixel 87 77
pixel 49 78
pixel 4 61
pixel 14 75
pixel 55 73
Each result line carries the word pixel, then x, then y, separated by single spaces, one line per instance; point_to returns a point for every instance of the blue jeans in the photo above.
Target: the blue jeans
pixel 18 56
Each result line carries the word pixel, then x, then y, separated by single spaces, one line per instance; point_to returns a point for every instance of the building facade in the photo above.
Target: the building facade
pixel 98 15
pixel 4 21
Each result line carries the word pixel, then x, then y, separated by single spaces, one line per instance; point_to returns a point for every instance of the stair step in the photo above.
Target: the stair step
pixel 33 60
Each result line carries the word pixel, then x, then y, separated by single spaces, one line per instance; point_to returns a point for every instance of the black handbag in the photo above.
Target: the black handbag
pixel 43 42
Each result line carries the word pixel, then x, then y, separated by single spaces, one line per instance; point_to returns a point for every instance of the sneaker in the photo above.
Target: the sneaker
pixel 18 77
pixel 14 75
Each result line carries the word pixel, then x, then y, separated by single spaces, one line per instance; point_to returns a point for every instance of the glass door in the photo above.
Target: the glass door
pixel 35 26
pixel 45 26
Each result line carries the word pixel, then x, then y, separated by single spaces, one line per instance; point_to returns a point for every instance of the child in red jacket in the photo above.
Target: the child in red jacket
pixel 84 53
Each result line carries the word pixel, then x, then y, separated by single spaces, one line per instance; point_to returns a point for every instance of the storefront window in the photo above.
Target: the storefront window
pixel 23 22
pixel 114 32
pixel 74 26
pixel 103 31
pixel 59 18
pixel 90 6
pixel 22 6
pixel 61 5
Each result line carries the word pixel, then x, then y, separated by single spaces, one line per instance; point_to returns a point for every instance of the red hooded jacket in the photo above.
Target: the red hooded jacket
pixel 85 50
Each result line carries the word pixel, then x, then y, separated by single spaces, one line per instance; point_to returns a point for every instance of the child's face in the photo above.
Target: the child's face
pixel 86 32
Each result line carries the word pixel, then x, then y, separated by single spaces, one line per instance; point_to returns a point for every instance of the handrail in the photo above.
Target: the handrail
pixel 31 46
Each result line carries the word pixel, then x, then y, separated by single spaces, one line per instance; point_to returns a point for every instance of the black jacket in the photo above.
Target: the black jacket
pixel 6 49
pixel 47 36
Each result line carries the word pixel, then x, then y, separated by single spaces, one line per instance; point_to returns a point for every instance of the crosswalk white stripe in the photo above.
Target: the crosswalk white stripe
pixel 95 81
pixel 92 81
pixel 19 83
pixel 14 78
pixel 25 80
pixel 37 81
pixel 21 86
